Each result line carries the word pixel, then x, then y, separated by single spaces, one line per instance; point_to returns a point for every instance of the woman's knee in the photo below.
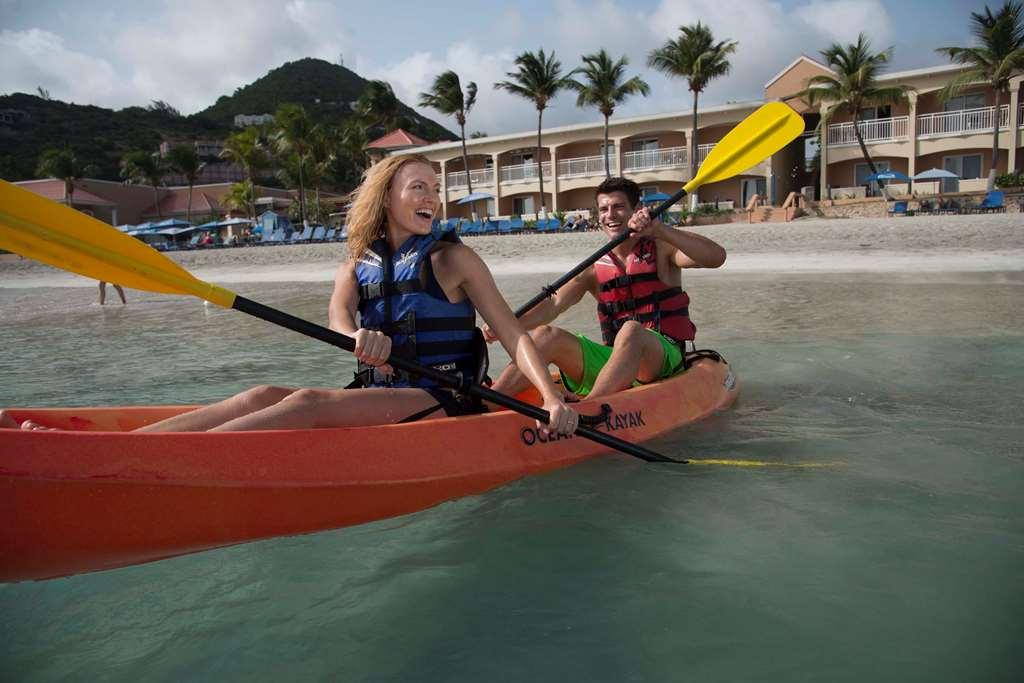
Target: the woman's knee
pixel 262 396
pixel 304 399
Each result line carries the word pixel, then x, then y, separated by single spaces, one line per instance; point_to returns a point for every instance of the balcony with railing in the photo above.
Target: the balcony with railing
pixel 654 159
pixel 961 122
pixel 481 177
pixel 892 129
pixel 521 173
pixel 703 151
pixel 584 167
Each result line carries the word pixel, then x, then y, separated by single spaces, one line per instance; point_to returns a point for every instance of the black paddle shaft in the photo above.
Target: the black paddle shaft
pixel 454 382
pixel 550 290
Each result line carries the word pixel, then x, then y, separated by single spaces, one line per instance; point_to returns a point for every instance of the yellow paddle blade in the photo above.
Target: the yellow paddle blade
pixel 754 139
pixel 42 230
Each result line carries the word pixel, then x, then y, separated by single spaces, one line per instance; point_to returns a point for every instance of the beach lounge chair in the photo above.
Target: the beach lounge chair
pixel 993 203
pixel 194 242
pixel 504 227
pixel 490 227
pixel 318 233
pixel 329 237
pixel 550 225
pixel 516 224
pixel 304 236
pixel 898 209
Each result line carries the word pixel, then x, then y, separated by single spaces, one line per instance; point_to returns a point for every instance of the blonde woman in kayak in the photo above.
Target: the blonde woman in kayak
pixel 414 288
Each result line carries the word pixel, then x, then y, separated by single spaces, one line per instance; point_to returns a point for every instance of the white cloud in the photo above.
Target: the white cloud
pixel 36 58
pixel 189 52
pixel 495 111
pixel 842 20
pixel 196 51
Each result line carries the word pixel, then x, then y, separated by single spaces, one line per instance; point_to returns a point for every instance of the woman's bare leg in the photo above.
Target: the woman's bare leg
pixel 208 417
pixel 310 408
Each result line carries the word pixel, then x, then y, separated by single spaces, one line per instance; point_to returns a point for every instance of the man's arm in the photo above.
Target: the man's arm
pixel 550 308
pixel 690 249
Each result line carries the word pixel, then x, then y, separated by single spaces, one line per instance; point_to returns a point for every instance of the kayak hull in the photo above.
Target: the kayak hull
pixel 94 495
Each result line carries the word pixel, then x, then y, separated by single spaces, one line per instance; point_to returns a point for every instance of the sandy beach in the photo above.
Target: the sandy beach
pixel 937 244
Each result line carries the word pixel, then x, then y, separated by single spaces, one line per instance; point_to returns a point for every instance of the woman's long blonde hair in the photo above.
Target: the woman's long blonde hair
pixel 368 215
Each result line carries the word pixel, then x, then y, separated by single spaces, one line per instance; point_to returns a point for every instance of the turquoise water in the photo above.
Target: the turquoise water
pixel 900 561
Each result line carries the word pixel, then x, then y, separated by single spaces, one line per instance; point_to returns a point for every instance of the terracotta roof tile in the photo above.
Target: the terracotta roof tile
pixel 396 139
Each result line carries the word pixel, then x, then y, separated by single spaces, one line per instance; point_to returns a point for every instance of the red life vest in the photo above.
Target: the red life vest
pixel 632 291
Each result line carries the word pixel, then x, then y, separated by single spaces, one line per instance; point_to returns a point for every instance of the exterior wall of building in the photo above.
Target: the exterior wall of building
pixel 844 174
pixel 584 148
pixel 580 199
pixel 938 159
pixel 793 81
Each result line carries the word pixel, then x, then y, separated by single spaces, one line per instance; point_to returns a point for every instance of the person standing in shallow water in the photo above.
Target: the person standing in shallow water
pixel 103 293
pixel 642 308
pixel 405 284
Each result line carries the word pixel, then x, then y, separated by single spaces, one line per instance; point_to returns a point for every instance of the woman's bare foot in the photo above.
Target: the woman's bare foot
pixel 36 427
pixel 7 421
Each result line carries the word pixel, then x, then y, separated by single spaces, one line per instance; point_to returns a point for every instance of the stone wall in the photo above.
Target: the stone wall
pixel 877 207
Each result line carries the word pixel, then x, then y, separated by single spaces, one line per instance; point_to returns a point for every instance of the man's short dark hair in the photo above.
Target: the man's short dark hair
pixel 623 185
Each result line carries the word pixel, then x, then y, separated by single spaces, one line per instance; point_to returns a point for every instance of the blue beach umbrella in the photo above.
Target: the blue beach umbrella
pixel 475 197
pixel 172 223
pixel 888 175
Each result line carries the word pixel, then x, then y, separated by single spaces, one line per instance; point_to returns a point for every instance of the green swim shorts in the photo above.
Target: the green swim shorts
pixel 595 356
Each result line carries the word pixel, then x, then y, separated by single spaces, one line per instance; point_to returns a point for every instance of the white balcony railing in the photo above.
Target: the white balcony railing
pixel 650 159
pixel 480 177
pixel 892 129
pixel 523 172
pixel 962 122
pixel 703 151
pixel 582 167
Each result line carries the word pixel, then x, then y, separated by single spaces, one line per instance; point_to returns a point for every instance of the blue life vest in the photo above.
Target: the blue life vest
pixel 423 325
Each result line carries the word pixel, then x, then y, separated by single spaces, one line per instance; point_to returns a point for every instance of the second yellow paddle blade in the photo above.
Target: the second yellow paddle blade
pixel 754 139
pixel 42 230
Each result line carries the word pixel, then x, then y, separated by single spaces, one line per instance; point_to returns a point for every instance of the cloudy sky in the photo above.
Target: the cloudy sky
pixel 189 52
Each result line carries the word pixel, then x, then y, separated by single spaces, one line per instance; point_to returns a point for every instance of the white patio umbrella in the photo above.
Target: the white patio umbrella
pixel 936 175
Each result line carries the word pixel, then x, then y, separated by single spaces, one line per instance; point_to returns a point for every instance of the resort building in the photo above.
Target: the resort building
pixel 653 150
pixel 117 203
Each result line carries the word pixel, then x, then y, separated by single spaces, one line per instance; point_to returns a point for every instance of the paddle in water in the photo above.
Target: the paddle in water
pixel 751 141
pixel 45 231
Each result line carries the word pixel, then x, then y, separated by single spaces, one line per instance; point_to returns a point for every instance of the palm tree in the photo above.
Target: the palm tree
pixel 324 148
pixel 538 79
pixel 63 165
pixel 446 96
pixel 997 58
pixel 378 107
pixel 246 148
pixel 240 196
pixel 695 56
pixel 854 86
pixel 605 88
pixel 294 137
pixel 184 160
pixel 142 167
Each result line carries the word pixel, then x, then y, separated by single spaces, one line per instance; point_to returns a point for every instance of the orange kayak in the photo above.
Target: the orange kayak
pixel 94 496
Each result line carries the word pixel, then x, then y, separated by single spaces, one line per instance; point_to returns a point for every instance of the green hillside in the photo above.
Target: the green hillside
pixel 101 136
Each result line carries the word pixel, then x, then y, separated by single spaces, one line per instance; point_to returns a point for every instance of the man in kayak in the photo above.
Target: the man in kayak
pixel 642 309
pixel 411 289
